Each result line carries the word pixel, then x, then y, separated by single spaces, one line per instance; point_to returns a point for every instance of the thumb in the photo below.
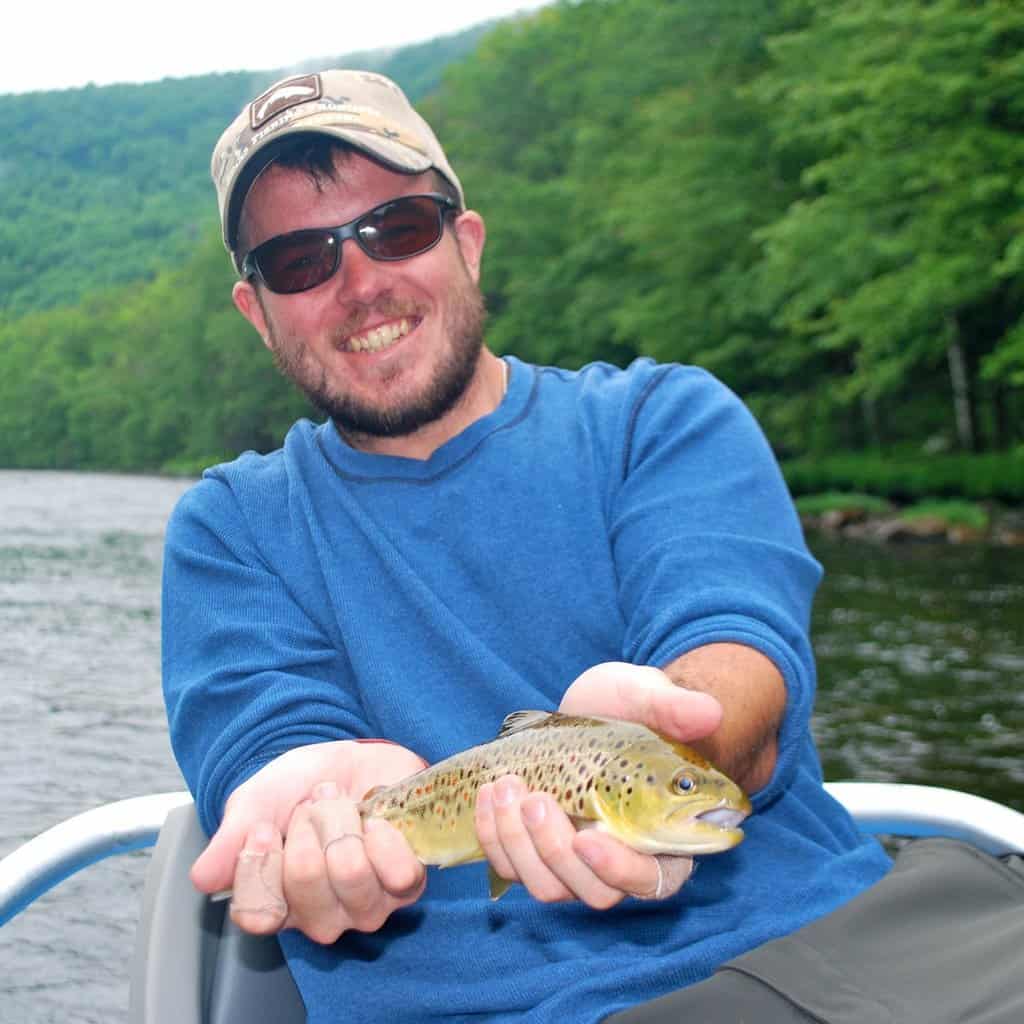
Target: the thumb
pixel 641 693
pixel 214 868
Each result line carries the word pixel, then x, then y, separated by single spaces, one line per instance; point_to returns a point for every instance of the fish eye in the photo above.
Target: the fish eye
pixel 684 783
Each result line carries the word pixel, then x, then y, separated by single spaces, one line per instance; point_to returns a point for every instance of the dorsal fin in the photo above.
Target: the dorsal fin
pixel 522 720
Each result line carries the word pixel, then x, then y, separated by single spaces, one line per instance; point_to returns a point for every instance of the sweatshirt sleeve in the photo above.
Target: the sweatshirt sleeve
pixel 707 542
pixel 247 673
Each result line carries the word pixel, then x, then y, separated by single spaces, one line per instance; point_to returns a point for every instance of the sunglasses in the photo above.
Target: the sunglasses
pixel 395 230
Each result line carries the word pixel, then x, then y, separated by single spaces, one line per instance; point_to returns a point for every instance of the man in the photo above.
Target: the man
pixel 467 536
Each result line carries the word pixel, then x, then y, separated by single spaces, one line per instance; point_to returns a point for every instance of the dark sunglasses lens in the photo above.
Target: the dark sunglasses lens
pixel 401 229
pixel 296 262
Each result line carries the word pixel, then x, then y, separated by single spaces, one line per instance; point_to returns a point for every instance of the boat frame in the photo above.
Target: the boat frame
pixel 192 965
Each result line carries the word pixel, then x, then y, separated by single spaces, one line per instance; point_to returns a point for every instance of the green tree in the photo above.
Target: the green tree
pixel 896 258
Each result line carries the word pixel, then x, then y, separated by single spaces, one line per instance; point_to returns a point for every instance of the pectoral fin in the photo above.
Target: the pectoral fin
pixel 499 885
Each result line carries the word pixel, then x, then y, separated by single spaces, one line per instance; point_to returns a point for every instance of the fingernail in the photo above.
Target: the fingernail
pixel 534 812
pixel 325 791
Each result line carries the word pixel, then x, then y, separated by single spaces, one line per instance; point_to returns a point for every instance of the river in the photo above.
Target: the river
pixel 921 657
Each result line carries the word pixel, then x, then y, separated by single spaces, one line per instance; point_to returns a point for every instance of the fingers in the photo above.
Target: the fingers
pixel 529 839
pixel 257 903
pixel 324 860
pixel 215 867
pixel 508 844
pixel 273 793
pixel 339 877
pixel 399 872
pixel 639 874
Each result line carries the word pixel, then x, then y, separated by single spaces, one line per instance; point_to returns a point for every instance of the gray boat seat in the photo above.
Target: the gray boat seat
pixel 192 965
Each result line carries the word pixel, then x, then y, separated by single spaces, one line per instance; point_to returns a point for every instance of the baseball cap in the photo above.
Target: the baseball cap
pixel 362 108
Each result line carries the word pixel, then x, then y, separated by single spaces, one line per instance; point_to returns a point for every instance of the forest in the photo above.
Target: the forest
pixel 820 201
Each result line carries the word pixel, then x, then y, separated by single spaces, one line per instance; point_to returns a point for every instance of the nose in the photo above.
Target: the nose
pixel 359 277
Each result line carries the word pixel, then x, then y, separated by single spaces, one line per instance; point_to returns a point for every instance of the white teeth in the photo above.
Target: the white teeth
pixel 379 337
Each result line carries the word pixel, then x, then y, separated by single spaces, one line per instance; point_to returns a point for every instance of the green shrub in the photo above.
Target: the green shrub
pixel 818 504
pixel 989 477
pixel 953 513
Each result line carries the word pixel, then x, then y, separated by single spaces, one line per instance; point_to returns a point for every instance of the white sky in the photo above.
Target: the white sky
pixel 57 44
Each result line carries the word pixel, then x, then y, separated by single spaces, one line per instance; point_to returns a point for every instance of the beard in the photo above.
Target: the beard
pixel 450 379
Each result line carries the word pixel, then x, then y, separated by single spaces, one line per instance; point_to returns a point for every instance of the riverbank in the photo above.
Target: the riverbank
pixel 866 517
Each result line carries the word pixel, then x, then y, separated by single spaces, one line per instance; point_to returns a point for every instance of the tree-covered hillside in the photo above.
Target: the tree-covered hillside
pixel 107 185
pixel 818 200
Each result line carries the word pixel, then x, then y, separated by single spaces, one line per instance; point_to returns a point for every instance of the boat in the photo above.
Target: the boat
pixel 192 965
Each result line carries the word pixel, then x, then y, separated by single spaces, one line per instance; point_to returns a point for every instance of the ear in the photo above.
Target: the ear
pixel 470 234
pixel 247 302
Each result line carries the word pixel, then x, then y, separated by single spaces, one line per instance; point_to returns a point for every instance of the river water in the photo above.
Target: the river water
pixel 921 657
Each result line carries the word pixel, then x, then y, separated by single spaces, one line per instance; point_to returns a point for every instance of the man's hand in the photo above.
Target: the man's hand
pixel 529 839
pixel 293 848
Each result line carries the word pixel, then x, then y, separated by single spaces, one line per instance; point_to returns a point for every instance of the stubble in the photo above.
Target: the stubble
pixel 358 419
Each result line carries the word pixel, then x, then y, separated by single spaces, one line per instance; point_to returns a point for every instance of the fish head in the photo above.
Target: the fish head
pixel 663 797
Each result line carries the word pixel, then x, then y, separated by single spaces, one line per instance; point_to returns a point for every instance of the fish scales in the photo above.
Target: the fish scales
pixel 617 776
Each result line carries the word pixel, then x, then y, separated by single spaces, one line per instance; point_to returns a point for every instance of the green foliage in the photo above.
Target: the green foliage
pixel 110 185
pixel 138 378
pixel 840 501
pixel 992 476
pixel 953 513
pixel 818 201
pixel 905 237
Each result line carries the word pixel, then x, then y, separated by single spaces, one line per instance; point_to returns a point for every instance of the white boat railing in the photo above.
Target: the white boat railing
pixel 134 824
pixel 74 844
pixel 902 809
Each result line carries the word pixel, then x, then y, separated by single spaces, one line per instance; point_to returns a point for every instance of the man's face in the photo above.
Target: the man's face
pixel 382 348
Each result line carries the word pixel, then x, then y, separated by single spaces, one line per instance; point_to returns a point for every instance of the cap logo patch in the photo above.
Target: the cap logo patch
pixel 282 96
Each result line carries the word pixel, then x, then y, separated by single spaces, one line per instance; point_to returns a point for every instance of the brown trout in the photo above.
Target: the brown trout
pixel 653 794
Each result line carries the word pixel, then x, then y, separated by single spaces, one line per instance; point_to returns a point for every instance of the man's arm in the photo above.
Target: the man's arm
pixel 753 697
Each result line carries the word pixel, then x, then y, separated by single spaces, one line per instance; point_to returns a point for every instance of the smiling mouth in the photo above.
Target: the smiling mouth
pixel 379 338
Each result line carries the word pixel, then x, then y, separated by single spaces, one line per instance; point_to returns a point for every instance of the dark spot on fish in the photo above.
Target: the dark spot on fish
pixel 650 780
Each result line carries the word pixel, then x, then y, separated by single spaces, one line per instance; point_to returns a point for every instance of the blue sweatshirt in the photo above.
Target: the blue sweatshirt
pixel 322 593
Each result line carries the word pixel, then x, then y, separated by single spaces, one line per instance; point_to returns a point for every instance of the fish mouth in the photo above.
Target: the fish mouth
pixel 717 829
pixel 709 831
pixel 722 817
